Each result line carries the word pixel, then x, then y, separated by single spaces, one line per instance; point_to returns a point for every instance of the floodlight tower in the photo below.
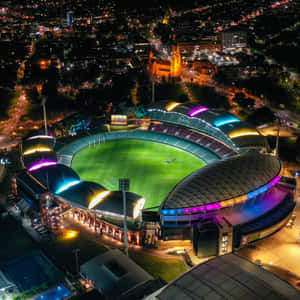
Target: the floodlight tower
pixel 277 139
pixel 76 251
pixel 153 89
pixel 124 187
pixel 45 115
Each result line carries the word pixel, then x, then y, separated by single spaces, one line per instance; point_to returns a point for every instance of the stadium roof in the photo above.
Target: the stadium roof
pixel 217 122
pixel 113 203
pixel 53 177
pixel 257 207
pixel 82 194
pixel 39 140
pixel 224 180
pixel 228 277
pixel 31 183
pixel 30 160
pixel 253 141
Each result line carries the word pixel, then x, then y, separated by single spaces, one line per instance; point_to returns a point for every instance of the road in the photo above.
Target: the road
pixel 17 108
pixel 280 253
pixel 111 243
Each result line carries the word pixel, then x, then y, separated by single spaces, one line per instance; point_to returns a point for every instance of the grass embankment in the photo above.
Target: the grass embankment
pixel 166 268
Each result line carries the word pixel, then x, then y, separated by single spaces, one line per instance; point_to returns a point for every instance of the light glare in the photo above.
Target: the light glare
pixel 97 199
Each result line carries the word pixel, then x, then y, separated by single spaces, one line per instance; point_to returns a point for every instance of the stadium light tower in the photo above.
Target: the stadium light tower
pixel 45 115
pixel 277 138
pixel 153 88
pixel 124 187
pixel 76 251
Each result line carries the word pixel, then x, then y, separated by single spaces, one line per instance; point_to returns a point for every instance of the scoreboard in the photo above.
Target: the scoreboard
pixel 118 120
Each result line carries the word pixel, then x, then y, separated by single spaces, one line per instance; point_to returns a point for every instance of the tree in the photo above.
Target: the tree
pixel 239 97
pixel 261 116
pixel 298 149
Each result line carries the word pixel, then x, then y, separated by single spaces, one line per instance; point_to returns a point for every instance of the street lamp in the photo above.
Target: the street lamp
pixel 124 187
pixel 277 139
pixel 76 251
pixel 153 88
pixel 44 113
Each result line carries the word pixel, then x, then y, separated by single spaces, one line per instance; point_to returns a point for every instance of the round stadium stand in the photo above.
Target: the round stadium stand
pixel 220 149
pixel 237 198
pixel 218 124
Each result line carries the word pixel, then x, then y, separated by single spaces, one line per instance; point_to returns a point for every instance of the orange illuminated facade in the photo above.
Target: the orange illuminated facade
pixel 205 68
pixel 44 64
pixel 166 69
pixel 175 63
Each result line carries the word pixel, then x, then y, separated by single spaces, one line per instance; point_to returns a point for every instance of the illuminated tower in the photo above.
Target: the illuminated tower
pixel 176 63
pixel 150 65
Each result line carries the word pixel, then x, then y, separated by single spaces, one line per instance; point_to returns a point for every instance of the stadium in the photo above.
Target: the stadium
pixel 196 174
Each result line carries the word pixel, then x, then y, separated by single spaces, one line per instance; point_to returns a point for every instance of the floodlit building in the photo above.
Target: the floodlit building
pixel 164 68
pixel 116 276
pixel 239 196
pixel 231 40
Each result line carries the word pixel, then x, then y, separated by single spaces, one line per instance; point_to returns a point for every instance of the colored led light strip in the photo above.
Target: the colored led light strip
pixel 40 137
pixel 67 186
pixel 263 188
pixel 42 165
pixel 97 199
pixel 274 181
pixel 38 149
pixel 226 120
pixel 138 207
pixel 226 203
pixel 194 209
pixel 172 105
pixel 240 133
pixel 197 110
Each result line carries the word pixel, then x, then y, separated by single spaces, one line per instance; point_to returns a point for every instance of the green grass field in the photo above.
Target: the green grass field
pixel 154 169
pixel 164 267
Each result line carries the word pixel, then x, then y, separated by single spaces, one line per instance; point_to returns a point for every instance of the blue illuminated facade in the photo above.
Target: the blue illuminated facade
pixel 226 120
pixel 67 185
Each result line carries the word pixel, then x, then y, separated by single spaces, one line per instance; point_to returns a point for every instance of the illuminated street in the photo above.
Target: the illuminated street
pixel 281 249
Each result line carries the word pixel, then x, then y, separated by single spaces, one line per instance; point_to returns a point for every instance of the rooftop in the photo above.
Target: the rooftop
pixel 228 277
pixel 224 180
pixel 114 274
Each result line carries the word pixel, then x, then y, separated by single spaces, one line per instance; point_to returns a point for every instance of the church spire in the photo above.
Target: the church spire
pixel 175 62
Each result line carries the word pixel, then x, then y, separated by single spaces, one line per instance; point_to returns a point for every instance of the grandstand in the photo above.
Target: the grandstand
pixel 215 146
pixel 211 122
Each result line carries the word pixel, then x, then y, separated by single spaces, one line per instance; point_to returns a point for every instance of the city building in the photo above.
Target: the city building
pixel 164 68
pixel 116 276
pixel 233 40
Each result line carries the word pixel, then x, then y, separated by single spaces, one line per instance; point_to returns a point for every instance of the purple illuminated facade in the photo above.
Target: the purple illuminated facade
pixel 197 110
pixel 42 164
pixel 219 205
